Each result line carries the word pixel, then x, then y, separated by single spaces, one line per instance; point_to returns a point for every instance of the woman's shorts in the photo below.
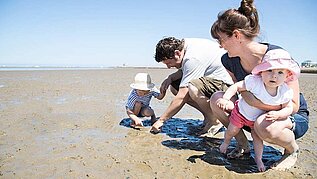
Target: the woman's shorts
pixel 301 118
pixel 301 125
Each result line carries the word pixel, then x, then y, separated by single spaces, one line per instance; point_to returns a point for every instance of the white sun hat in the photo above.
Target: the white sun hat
pixel 142 81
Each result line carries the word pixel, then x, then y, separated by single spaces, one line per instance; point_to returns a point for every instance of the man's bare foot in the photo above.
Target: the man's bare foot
pixel 286 162
pixel 210 130
pixel 238 152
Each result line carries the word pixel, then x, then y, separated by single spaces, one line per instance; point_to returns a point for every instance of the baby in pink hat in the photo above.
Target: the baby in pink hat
pixel 138 103
pixel 267 83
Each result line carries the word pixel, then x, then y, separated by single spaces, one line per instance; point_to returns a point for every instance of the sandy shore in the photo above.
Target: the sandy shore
pixel 72 124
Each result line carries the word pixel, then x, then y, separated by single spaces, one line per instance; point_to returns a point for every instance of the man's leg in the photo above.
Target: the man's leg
pixel 201 102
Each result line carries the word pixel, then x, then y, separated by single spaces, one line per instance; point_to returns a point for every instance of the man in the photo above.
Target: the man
pixel 200 74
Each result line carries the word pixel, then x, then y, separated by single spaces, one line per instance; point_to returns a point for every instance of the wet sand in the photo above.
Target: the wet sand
pixel 72 124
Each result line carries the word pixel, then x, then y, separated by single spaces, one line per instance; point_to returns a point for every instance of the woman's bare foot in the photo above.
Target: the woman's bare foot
pixel 286 162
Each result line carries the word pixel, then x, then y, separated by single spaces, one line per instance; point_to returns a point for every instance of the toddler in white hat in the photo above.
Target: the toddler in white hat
pixel 268 84
pixel 138 104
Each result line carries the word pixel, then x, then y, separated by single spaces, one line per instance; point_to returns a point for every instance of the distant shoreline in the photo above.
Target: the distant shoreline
pixel 17 68
pixel 308 70
pixel 30 68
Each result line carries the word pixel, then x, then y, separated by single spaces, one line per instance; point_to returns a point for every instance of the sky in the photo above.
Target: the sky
pixel 112 33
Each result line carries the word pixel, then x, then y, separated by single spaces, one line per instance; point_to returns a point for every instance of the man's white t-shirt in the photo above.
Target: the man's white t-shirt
pixel 203 58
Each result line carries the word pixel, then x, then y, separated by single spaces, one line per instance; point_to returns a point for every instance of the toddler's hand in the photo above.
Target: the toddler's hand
pixel 137 122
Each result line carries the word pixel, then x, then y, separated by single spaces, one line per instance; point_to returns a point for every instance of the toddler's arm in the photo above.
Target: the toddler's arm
pixel 137 121
pixel 233 89
pixel 224 103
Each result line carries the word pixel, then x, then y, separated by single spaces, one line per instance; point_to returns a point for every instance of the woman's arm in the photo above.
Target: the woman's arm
pixel 294 85
pixel 287 110
pixel 234 79
pixel 255 102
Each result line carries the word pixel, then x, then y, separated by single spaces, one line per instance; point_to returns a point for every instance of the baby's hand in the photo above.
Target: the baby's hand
pixel 222 103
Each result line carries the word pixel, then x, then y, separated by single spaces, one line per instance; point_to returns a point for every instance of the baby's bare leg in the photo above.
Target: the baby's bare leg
pixel 258 150
pixel 230 133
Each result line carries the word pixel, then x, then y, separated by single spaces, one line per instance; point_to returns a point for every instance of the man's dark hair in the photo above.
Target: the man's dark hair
pixel 165 48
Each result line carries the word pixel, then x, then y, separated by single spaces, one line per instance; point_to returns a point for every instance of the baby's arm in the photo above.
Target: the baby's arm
pixel 287 110
pixel 224 102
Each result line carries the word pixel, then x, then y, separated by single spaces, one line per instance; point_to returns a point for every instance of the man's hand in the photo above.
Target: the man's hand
pixel 156 127
pixel 165 84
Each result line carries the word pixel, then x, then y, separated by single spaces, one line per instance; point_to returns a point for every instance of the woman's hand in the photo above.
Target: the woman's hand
pixel 272 116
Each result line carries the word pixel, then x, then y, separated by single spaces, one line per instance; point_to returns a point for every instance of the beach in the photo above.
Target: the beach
pixel 73 124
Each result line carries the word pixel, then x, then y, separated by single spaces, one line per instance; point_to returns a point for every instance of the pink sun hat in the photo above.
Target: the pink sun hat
pixel 278 59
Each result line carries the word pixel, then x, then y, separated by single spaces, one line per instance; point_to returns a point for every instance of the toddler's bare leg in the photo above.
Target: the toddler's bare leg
pixel 149 112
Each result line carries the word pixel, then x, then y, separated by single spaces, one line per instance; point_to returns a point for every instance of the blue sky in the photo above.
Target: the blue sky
pixel 112 33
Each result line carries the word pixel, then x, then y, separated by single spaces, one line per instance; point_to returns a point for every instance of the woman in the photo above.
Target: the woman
pixel 235 31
